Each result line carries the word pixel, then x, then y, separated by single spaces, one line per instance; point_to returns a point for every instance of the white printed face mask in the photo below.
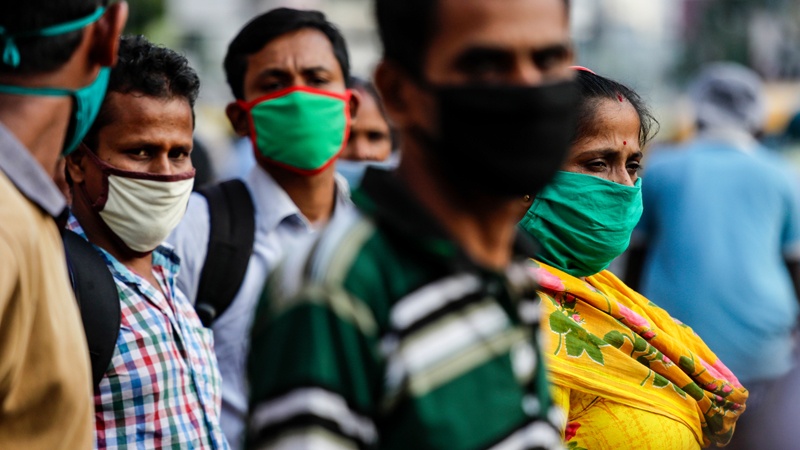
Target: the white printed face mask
pixel 141 208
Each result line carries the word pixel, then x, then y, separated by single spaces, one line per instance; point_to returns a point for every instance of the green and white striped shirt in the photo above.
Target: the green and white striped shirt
pixel 383 334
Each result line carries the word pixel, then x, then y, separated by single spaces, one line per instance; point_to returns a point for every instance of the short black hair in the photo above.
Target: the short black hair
pixel 406 28
pixel 271 25
pixel 151 70
pixel 42 54
pixel 593 89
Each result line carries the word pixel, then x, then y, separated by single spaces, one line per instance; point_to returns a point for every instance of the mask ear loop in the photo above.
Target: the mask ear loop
pixel 345 98
pixel 100 202
pixel 11 55
pixel 10 51
pixel 582 69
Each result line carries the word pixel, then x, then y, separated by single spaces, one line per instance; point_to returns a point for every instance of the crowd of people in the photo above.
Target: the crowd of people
pixel 416 261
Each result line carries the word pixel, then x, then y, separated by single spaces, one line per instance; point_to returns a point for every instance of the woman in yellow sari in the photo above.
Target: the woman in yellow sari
pixel 627 375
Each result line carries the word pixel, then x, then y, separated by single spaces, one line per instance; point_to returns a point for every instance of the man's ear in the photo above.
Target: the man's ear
pixel 392 84
pixel 75 168
pixel 107 30
pixel 238 118
pixel 355 103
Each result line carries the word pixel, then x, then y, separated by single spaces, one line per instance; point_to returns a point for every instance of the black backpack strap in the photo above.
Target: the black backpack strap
pixel 98 300
pixel 230 245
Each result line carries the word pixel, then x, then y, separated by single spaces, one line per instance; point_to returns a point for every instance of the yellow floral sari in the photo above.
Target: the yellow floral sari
pixel 607 342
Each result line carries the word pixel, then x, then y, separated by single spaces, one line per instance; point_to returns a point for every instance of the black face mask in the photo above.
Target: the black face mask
pixel 503 140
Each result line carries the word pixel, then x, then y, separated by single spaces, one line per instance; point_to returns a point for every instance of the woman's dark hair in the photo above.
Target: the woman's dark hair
pixel 42 54
pixel 269 26
pixel 366 87
pixel 595 88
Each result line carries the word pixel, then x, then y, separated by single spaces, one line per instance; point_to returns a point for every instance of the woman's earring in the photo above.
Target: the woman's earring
pixel 527 198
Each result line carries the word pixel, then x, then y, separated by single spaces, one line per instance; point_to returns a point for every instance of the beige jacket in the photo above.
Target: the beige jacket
pixel 45 382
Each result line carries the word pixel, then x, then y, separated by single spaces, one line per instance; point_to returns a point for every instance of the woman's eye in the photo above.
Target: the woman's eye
pixel 596 165
pixel 634 167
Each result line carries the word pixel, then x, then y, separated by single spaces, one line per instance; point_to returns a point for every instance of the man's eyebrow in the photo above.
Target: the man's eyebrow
pixel 481 53
pixel 554 49
pixel 280 73
pixel 315 69
pixel 272 72
pixel 136 142
pixel 146 144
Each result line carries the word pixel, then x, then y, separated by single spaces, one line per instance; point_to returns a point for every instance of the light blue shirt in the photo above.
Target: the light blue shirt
pixel 279 226
pixel 720 217
pixel 29 177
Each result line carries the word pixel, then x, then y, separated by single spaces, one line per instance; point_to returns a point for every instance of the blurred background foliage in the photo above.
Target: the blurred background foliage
pixel 763 34
pixel 143 14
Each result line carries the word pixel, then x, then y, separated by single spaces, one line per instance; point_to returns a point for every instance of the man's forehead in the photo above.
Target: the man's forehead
pixel 140 114
pixel 128 104
pixel 300 49
pixel 516 24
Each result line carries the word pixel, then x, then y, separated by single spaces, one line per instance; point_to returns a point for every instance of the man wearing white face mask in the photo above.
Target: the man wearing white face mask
pixel 131 181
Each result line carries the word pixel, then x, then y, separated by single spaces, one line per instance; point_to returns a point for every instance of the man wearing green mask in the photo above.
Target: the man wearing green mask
pixel 411 323
pixel 52 79
pixel 287 70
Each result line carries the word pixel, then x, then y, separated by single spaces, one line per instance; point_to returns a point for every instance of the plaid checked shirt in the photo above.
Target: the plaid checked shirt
pixel 162 388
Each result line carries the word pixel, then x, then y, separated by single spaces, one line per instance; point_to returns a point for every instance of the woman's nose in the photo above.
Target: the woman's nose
pixel 622 176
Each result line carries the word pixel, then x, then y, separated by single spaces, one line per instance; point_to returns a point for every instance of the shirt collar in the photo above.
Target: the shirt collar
pixel 385 197
pixel 163 256
pixel 273 205
pixel 17 163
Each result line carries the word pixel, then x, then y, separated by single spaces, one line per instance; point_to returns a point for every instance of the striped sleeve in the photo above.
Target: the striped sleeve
pixel 313 366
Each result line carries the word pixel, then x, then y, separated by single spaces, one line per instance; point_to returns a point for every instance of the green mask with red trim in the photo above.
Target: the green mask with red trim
pixel 301 129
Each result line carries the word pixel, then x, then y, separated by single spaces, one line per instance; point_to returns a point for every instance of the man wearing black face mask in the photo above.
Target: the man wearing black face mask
pixel 410 323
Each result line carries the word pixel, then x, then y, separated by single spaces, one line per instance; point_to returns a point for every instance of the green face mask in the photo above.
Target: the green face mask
pixel 301 129
pixel 583 222
pixel 87 100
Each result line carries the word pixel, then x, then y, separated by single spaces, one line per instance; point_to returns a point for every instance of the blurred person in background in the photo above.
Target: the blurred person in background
pixel 787 142
pixel 718 247
pixel 53 76
pixel 288 71
pixel 203 166
pixel 626 373
pixel 372 140
pixel 411 322
pixel 239 160
pixel 131 180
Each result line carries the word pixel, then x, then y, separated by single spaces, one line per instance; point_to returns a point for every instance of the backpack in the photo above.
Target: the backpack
pixel 98 300
pixel 230 245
